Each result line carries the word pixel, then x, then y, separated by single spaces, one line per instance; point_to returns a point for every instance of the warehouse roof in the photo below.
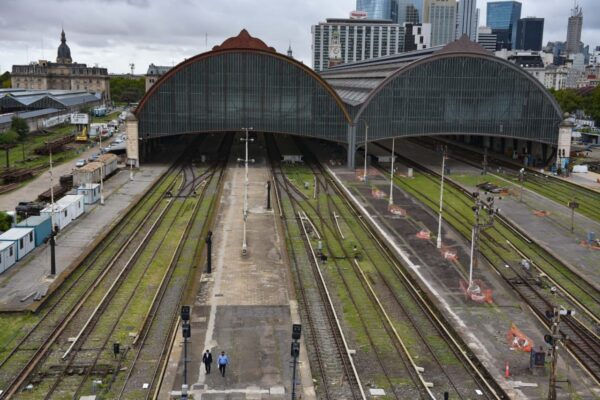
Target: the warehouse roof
pixel 7 118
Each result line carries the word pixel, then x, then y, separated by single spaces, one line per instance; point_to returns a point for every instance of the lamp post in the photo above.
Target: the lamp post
pixel 521 181
pixel 479 206
pixel 245 212
pixel 53 230
pixel 101 171
pixel 573 205
pixel 392 172
pixel 439 235
pixel 554 339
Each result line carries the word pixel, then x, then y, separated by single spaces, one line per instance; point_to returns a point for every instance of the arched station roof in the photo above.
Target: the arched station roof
pixel 458 89
pixel 242 83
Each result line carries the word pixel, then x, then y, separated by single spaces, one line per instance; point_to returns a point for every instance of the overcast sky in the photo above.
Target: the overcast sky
pixel 115 33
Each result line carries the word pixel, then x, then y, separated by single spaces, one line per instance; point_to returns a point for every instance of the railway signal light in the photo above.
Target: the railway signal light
pixel 295 349
pixel 549 339
pixel 186 331
pixel 296 331
pixel 185 313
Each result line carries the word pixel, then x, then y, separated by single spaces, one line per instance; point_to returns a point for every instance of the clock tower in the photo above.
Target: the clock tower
pixel 335 49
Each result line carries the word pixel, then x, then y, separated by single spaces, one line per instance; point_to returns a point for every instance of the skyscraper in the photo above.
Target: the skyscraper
pixel 375 9
pixel 441 14
pixel 410 11
pixel 503 17
pixel 467 19
pixel 574 30
pixel 530 34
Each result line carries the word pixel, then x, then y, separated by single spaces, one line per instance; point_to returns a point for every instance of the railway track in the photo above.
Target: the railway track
pixel 100 317
pixel 62 305
pixel 548 186
pixel 330 355
pixel 154 340
pixel 381 301
pixel 583 343
pixel 400 297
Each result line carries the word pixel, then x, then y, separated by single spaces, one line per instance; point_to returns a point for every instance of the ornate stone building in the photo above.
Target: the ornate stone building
pixel 64 74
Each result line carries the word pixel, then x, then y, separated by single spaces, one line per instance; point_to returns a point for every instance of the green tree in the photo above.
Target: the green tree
pixel 127 90
pixel 5 80
pixel 20 126
pixel 568 99
pixel 8 140
pixel 5 221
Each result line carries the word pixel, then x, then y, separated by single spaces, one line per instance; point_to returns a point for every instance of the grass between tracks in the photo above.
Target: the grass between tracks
pixel 367 327
pixel 460 215
pixel 14 326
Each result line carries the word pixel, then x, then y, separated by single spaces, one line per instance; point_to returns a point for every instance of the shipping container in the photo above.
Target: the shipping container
pixel 23 238
pixel 8 255
pixel 110 163
pixel 89 173
pixel 90 192
pixel 65 210
pixel 42 225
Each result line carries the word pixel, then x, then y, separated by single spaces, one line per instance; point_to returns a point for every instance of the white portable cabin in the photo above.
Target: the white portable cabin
pixel 23 238
pixel 8 255
pixel 66 210
pixel 89 173
pixel 90 192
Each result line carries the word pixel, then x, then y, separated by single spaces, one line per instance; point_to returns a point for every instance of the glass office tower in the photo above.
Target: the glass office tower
pixel 375 9
pixel 503 17
pixel 399 11
pixel 530 34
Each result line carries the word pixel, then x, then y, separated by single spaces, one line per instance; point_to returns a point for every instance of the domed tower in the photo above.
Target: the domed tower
pixel 64 53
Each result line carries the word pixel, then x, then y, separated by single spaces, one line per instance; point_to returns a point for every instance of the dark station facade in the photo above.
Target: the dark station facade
pixel 459 89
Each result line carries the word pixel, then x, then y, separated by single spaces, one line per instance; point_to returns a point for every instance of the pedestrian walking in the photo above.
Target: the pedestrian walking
pixel 207 360
pixel 223 361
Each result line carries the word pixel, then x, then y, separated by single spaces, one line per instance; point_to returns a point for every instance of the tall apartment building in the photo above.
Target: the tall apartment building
pixel 503 17
pixel 441 14
pixel 416 36
pixel 359 39
pixel 530 34
pixel 64 74
pixel 467 19
pixel 486 38
pixel 574 31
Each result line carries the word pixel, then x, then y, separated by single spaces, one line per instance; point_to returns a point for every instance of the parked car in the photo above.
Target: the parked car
pixel 80 163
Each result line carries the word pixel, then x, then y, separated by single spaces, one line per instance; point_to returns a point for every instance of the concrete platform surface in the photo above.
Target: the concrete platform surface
pixel 246 306
pixel 31 273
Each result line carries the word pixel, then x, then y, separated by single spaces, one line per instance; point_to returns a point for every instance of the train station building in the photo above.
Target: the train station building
pixel 458 90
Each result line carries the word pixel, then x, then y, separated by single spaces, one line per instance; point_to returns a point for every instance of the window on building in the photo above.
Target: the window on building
pixel 65 213
pixel 31 236
pixel 10 251
pixel 21 243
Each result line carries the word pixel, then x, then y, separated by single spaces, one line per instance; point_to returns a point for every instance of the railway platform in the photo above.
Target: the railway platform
pixel 543 220
pixel 246 306
pixel 483 326
pixel 20 284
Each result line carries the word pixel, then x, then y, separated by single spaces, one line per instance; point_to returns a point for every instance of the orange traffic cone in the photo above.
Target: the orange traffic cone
pixel 506 370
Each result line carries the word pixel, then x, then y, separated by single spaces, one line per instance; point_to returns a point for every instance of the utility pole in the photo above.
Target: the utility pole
pixel 246 183
pixel 439 235
pixel 480 209
pixel 268 195
pixel 392 172
pixel 555 339
pixel 366 150
pixel 573 205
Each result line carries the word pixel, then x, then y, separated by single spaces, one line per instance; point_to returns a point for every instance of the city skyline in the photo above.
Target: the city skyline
pixel 140 32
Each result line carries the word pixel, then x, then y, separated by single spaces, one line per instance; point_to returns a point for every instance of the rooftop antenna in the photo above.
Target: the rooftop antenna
pixel 132 66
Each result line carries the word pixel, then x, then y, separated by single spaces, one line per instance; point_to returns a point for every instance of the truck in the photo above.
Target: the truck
pixel 99 111
pixel 82 137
